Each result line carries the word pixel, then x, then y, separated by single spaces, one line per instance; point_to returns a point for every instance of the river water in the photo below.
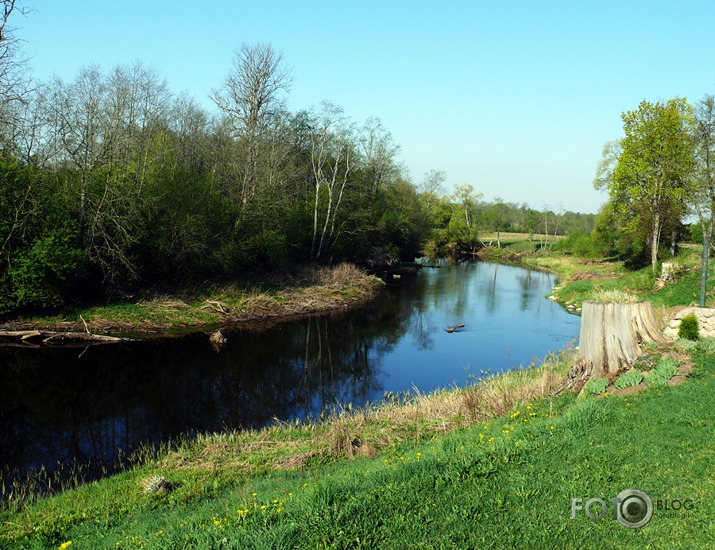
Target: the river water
pixel 86 405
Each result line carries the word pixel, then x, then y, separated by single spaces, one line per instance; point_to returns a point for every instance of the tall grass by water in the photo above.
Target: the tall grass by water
pixel 467 480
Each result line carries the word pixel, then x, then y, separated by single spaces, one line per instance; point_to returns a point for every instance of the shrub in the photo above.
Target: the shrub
pixel 630 378
pixel 689 327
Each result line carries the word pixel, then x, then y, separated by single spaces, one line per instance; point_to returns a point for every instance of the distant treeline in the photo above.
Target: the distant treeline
pixel 110 182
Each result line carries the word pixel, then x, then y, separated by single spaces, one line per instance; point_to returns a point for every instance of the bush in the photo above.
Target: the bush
pixel 627 379
pixel 689 327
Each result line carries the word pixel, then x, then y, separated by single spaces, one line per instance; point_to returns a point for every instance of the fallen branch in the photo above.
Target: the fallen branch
pixel 31 337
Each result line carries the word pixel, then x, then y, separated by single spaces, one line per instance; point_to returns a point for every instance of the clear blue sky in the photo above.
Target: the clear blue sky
pixel 515 98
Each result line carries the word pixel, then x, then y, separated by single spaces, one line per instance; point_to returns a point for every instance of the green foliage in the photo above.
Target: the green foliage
pixel 39 274
pixel 689 327
pixel 596 386
pixel 647 184
pixel 578 243
pixel 666 369
pixel 627 379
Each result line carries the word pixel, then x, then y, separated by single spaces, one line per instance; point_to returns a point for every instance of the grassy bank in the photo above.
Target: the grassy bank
pixel 309 290
pixel 441 471
pixel 492 465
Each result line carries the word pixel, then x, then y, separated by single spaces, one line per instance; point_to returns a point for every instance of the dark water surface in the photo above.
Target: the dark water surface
pixel 86 404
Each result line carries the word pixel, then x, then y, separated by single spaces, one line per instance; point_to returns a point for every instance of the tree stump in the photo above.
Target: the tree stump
pixel 611 335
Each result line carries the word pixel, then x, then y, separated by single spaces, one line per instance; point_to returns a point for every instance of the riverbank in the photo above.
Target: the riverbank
pixel 308 290
pixel 498 463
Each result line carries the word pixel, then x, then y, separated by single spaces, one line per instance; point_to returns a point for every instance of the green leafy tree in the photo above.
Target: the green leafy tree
pixel 649 181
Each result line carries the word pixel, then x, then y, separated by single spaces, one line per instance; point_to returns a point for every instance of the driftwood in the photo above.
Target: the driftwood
pixel 611 335
pixel 451 329
pixel 49 337
pixel 217 306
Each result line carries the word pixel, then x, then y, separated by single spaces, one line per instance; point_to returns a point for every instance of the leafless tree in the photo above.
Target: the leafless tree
pixel 252 97
pixel 332 158
pixel 14 82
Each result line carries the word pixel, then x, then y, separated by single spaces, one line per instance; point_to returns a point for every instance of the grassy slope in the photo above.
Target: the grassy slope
pixel 505 484
pixel 422 489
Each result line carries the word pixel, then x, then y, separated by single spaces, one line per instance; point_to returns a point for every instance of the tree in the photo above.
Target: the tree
pixel 462 227
pixel 331 160
pixel 497 216
pixel 14 83
pixel 531 219
pixel 702 185
pixel 648 183
pixel 251 97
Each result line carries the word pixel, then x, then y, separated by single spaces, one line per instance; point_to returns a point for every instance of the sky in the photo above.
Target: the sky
pixel 516 98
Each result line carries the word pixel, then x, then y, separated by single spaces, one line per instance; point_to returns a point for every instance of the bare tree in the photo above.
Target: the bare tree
pixel 14 82
pixel 331 157
pixel 701 187
pixel 378 154
pixel 251 96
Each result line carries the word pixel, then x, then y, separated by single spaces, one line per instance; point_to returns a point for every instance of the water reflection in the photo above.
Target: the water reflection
pixel 85 405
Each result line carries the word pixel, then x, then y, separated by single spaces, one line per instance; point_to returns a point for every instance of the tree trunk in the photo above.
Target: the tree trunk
pixel 610 340
pixel 707 235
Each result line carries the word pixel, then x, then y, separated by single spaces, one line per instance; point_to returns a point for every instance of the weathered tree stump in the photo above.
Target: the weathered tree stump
pixel 611 335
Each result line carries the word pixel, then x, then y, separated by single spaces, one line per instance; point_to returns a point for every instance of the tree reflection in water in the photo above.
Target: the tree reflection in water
pixel 92 405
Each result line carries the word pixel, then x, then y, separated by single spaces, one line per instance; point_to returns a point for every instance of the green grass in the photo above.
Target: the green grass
pixel 508 483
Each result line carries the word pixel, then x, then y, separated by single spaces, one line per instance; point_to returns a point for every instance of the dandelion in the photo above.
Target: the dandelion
pixel 65 545
pixel 505 431
pixel 481 436
pixel 419 455
pixel 605 394
pixel 491 440
pixel 551 427
pixel 160 533
pixel 263 507
pixel 254 495
pixel 517 413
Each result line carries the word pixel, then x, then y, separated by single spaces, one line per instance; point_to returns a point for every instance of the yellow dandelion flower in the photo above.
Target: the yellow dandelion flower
pixel 551 427
pixel 65 545
pixel 263 507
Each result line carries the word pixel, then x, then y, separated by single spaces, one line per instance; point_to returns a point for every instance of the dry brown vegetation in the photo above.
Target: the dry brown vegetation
pixel 381 428
pixel 309 290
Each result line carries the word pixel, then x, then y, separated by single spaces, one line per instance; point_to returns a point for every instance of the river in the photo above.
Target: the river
pixel 82 405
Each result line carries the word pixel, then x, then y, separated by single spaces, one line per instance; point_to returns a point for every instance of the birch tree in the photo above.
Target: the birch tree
pixel 331 160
